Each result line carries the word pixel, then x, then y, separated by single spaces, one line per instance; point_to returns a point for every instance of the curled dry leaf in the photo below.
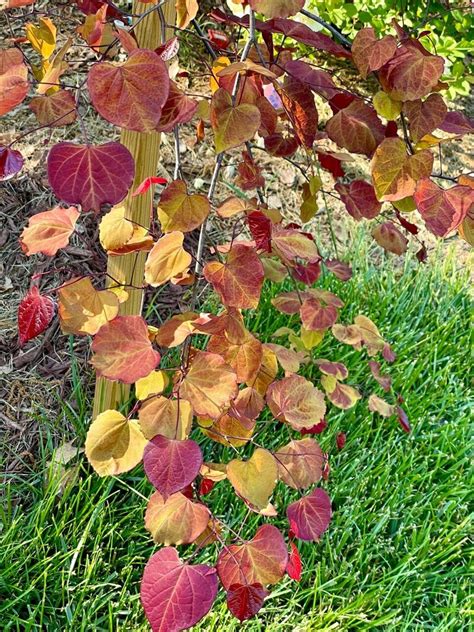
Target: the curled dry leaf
pixel 49 231
pixel 83 309
pixel 296 401
pixel 262 559
pixel 176 520
pixel 114 444
pixel 122 350
pixel 379 405
pixel 255 479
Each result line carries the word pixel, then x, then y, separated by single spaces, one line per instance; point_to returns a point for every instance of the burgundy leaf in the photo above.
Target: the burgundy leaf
pixel 206 486
pixel 170 465
pixel 385 381
pixel 11 162
pixel 245 600
pixel 403 419
pixel 331 164
pixel 457 123
pixel 442 209
pixel 35 312
pixel 90 175
pixel 341 270
pixel 261 227
pixel 294 566
pixel 319 81
pixel 316 429
pixel 359 199
pixel 411 228
pixel 309 516
pixel 175 596
pixel 308 273
pixel 303 34
pixel 340 440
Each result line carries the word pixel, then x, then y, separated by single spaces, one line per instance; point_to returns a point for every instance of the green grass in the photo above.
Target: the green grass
pixel 395 555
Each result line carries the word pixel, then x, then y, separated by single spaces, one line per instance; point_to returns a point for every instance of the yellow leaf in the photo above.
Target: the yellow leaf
pixel 114 229
pixel 254 479
pixel 83 309
pixel 51 70
pixel 178 520
pixel 42 37
pixel 114 444
pixel 217 65
pixel 153 384
pixel 311 339
pixel 166 259
pixel 168 417
pixel 386 106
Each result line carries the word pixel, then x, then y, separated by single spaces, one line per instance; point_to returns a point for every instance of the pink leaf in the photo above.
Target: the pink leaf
pixel 294 566
pixel 11 162
pixel 245 600
pixel 170 465
pixel 90 175
pixel 35 312
pixel 175 596
pixel 309 516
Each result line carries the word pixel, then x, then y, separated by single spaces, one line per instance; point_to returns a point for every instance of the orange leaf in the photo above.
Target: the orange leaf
pixel 177 520
pixel 395 173
pixel 122 350
pixel 186 11
pixel 390 238
pixel 369 53
pixel 296 401
pixel 209 385
pixel 178 210
pixel 243 356
pixel 167 259
pixel 83 309
pixel 228 430
pixel 55 110
pixel 239 280
pixel 13 79
pixel 171 418
pixel 49 231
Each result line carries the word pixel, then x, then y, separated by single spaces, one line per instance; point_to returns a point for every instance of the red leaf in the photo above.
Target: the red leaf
pixel 144 186
pixel 411 228
pixel 261 560
pixel 359 199
pixel 249 174
pixel 123 351
pixel 169 49
pixel 261 227
pixel 11 162
pixel 35 312
pixel 281 146
pixel 357 128
pixel 218 38
pixel 175 596
pixel 178 109
pixel 294 566
pixel 319 81
pixel 130 95
pixel 369 53
pixel 245 600
pixel 309 516
pixel 90 175
pixel 341 270
pixel 316 429
pixel 206 486
pixel 425 116
pixel 170 464
pixel 298 101
pixel 307 274
pixel 92 6
pixel 13 79
pixel 316 316
pixel 303 34
pixel 331 164
pixel 403 419
pixel 442 209
pixel 340 440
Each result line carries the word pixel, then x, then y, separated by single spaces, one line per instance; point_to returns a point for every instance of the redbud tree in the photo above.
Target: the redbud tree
pixel 202 378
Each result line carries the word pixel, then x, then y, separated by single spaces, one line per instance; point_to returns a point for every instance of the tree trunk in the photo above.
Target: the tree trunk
pixel 145 149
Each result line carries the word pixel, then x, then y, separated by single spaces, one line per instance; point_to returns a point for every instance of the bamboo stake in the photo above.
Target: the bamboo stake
pixel 145 149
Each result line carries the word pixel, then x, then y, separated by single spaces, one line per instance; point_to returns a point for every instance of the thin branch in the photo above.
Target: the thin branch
pixel 337 34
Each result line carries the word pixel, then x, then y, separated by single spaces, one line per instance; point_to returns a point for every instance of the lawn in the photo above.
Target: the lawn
pixel 395 554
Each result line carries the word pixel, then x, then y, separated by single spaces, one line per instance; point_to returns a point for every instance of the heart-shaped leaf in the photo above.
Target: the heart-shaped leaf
pixel 425 116
pixel 175 596
pixel 260 560
pixel 300 463
pixel 356 127
pixel 244 355
pixel 245 600
pixel 171 465
pixel 442 209
pixel 83 309
pixel 296 401
pixel 168 417
pixel 209 385
pixel 130 95
pixel 309 516
pixel 114 444
pixel 239 280
pixel 167 259
pixel 179 211
pixel 232 124
pixel 122 350
pixel 11 162
pixel 395 173
pixel 13 79
pixel 55 110
pixel 359 199
pixel 177 520
pixel 90 175
pixel 35 312
pixel 254 479
pixel 49 231
pixel 369 53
